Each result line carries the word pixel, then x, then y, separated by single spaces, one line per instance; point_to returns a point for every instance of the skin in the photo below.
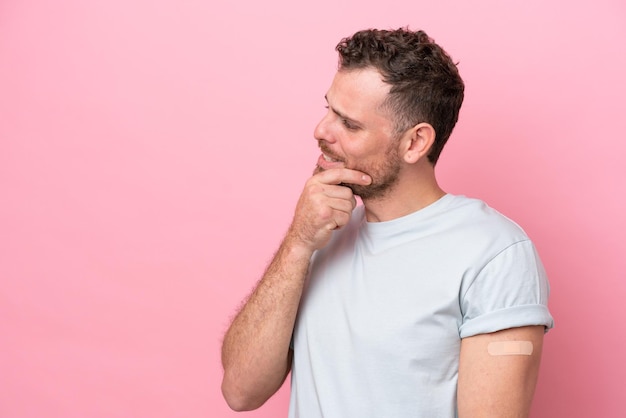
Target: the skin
pixel 392 175
pixel 498 386
pixel 255 353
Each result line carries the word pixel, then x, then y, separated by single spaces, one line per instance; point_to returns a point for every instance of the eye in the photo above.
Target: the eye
pixel 349 125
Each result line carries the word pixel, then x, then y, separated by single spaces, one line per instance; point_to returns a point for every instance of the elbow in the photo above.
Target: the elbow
pixel 237 399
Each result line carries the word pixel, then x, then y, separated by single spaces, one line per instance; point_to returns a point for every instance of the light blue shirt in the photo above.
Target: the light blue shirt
pixel 386 305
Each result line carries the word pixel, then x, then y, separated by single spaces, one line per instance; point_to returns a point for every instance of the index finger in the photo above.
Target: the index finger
pixel 344 175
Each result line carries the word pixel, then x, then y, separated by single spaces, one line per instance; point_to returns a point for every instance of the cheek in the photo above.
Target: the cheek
pixel 354 150
pixel 366 165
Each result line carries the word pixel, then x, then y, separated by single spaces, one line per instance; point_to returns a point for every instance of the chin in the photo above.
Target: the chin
pixel 364 192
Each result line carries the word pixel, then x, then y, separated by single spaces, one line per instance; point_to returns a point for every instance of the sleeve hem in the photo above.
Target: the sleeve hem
pixel 518 316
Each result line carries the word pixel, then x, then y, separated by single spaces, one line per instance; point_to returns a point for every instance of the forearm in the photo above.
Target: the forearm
pixel 255 352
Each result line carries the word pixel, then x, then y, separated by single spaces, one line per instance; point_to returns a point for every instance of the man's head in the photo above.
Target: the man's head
pixel 425 83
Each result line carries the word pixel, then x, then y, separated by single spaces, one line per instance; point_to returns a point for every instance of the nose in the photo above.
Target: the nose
pixel 323 130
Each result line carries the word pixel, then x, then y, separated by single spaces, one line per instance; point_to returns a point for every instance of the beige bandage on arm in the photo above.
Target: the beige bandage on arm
pixel 510 348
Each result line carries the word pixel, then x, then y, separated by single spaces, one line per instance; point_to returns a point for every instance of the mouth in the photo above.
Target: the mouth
pixel 328 161
pixel 329 158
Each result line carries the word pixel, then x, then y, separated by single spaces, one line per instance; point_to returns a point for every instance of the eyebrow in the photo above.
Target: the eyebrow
pixel 341 115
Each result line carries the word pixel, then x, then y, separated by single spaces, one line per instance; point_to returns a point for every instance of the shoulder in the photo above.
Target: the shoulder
pixel 477 218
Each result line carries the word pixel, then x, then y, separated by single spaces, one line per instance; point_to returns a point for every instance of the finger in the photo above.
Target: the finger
pixel 342 205
pixel 341 219
pixel 344 175
pixel 337 192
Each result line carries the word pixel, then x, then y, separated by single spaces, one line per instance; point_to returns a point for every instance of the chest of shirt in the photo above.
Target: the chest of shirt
pixel 361 299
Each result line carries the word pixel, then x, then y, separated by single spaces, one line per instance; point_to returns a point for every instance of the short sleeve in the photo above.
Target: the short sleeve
pixel 510 291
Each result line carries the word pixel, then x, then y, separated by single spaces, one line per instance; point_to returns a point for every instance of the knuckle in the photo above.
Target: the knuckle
pixel 313 188
pixel 342 219
pixel 325 213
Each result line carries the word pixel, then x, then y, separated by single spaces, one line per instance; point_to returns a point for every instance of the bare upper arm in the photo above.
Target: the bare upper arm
pixel 498 385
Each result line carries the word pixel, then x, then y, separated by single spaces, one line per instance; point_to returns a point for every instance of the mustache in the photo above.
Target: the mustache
pixel 324 148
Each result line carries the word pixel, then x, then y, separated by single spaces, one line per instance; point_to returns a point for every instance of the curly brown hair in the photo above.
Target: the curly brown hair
pixel 425 83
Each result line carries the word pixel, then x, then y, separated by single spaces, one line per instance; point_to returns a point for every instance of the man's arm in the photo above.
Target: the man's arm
pixel 255 352
pixel 497 376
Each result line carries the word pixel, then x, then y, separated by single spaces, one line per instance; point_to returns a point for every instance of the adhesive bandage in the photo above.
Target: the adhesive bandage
pixel 510 348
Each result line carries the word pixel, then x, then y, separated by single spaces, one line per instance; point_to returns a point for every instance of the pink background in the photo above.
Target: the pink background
pixel 151 153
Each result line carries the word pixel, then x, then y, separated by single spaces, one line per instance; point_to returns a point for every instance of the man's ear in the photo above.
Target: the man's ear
pixel 418 142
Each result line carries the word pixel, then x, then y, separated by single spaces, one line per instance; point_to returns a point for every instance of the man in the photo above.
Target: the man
pixel 417 303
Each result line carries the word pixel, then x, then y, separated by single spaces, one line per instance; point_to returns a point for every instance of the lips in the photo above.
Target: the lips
pixel 328 155
pixel 327 162
pixel 329 158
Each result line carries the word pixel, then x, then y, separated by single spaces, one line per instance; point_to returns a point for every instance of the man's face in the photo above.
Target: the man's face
pixel 356 133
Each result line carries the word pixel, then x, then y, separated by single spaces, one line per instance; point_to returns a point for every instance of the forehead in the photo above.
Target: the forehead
pixel 359 93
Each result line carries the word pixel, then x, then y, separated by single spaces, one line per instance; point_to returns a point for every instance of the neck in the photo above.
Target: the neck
pixel 413 191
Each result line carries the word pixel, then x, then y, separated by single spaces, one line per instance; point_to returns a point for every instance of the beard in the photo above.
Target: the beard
pixel 384 173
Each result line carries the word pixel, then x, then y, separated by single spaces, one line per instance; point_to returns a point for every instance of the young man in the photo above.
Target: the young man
pixel 418 303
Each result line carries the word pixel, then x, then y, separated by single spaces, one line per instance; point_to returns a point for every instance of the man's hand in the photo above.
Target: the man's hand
pixel 325 205
pixel 255 353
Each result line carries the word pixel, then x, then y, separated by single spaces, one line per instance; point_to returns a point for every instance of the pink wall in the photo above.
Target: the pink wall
pixel 151 153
